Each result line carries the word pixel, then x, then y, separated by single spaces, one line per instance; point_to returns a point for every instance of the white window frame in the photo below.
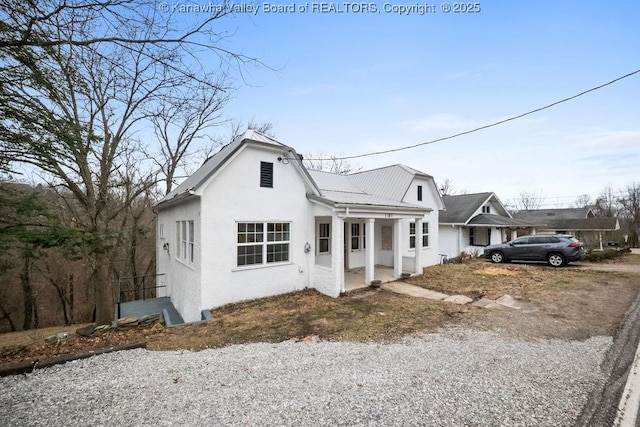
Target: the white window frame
pixel 479 238
pixel 355 226
pixel 267 239
pixel 412 235
pixel 322 238
pixel 486 209
pixel 185 241
pixel 425 234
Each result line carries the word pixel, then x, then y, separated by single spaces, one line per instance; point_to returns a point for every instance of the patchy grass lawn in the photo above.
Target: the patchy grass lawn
pixel 586 302
pixel 479 278
pixel 27 337
pixel 631 259
pixel 362 316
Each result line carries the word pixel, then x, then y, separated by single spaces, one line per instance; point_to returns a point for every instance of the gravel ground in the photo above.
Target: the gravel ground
pixel 455 377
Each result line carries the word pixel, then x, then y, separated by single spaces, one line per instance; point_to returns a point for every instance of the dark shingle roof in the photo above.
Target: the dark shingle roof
pixel 496 220
pixel 542 216
pixel 584 224
pixel 460 208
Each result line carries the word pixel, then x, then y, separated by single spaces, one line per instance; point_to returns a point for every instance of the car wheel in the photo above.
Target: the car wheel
pixel 497 257
pixel 556 260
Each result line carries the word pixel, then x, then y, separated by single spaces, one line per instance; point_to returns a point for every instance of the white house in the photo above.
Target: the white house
pixel 473 221
pixel 254 222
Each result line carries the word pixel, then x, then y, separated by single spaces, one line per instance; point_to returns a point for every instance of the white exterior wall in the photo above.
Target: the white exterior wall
pixel 449 237
pixel 327 275
pixel 182 280
pixel 453 242
pixel 430 199
pixel 234 195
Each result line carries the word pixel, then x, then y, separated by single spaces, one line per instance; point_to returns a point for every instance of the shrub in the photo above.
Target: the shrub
pixel 601 256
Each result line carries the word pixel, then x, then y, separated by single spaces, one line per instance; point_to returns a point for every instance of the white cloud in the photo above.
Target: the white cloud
pixel 620 139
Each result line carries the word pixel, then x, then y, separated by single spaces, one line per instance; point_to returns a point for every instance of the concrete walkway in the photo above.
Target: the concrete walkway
pixel 405 288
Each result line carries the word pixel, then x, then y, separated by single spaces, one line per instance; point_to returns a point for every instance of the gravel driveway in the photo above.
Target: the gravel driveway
pixel 455 377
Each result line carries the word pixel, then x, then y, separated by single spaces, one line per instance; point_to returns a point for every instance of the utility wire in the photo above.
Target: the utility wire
pixel 392 150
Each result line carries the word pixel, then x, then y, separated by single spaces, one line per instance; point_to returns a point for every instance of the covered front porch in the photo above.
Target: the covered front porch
pixel 354 278
pixel 354 249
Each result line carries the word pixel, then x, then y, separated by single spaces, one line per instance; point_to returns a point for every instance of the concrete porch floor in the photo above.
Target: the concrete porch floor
pixel 354 277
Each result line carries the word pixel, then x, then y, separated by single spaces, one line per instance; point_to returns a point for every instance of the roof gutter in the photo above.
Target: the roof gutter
pixel 178 198
pixel 351 208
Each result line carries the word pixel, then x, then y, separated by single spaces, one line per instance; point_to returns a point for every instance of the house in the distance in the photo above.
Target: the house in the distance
pixel 580 222
pixel 254 222
pixel 473 221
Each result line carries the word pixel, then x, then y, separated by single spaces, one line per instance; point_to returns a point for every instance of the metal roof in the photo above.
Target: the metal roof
pixel 389 182
pixel 348 189
pixel 384 187
pixel 214 162
pixel 327 181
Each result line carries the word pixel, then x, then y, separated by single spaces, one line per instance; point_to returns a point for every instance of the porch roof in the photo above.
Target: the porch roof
pixel 492 220
pixel 367 202
pixel 342 191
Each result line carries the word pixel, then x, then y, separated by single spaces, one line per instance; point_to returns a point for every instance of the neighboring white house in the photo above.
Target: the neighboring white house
pixel 473 221
pixel 254 222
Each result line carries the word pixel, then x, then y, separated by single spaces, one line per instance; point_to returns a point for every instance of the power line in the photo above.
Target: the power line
pixel 519 116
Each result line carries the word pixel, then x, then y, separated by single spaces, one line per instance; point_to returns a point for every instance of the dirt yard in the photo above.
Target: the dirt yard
pixel 574 303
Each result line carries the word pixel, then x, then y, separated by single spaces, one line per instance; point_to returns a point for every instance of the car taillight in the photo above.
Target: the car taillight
pixel 575 245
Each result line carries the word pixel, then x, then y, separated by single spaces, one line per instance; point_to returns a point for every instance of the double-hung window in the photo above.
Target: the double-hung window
pixel 412 235
pixel 425 234
pixel 324 238
pixel 355 236
pixel 262 242
pixel 185 241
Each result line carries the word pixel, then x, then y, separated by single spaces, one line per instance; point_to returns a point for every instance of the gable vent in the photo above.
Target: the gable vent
pixel 266 174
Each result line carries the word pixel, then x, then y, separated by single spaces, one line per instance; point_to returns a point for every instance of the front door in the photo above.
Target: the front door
pixel 386 248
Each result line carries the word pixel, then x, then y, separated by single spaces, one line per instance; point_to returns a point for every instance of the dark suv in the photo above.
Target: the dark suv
pixel 556 249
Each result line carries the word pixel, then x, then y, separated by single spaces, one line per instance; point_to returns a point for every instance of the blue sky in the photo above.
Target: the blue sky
pixel 354 83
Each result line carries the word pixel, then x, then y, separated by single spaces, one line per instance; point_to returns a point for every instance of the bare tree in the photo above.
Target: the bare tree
pixel 75 97
pixel 606 203
pixel 446 188
pixel 529 200
pixel 330 163
pixel 630 211
pixel 583 201
pixel 179 124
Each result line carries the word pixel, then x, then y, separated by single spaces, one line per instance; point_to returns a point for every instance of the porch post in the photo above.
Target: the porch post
pixel 514 233
pixel 337 253
pixel 397 248
pixel 600 239
pixel 369 263
pixel 418 253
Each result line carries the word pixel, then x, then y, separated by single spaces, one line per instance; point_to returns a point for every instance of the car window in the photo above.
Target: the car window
pixel 521 241
pixel 545 239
